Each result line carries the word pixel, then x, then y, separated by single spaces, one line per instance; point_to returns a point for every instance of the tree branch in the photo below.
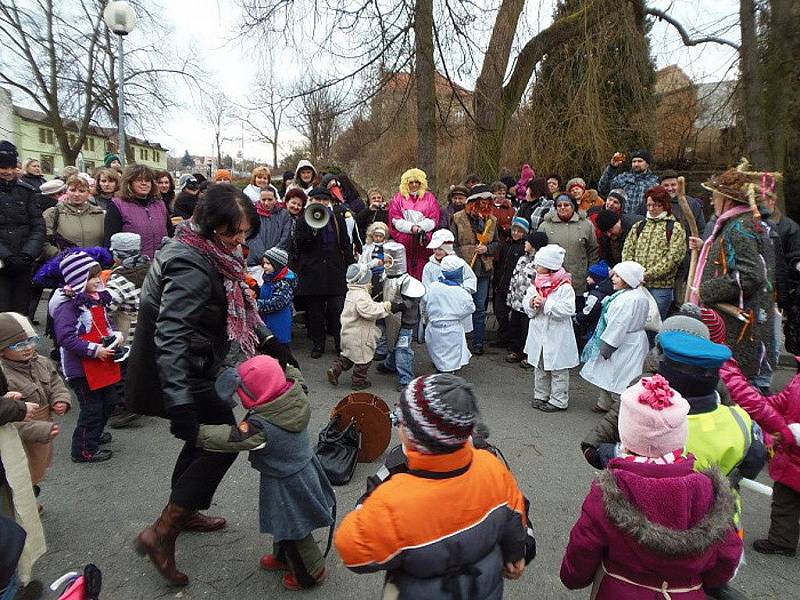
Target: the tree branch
pixel 687 39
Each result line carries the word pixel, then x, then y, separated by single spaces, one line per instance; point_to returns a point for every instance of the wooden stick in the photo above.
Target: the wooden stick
pixel 693 231
pixel 730 309
pixel 484 238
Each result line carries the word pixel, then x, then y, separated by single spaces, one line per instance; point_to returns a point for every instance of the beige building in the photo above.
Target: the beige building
pixel 34 138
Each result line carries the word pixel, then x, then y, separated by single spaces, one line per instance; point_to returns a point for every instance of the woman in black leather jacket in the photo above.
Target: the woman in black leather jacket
pixel 194 304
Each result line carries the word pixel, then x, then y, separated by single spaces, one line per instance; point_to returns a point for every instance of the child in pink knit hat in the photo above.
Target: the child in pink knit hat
pixel 296 497
pixel 651 525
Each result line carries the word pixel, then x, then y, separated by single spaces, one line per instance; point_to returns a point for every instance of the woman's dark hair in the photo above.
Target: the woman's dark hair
pixel 556 177
pixel 538 187
pixel 222 208
pixel 171 193
pixel 295 193
pixel 349 190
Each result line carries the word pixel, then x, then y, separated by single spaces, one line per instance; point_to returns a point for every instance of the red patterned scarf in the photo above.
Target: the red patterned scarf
pixel 243 315
pixel 547 283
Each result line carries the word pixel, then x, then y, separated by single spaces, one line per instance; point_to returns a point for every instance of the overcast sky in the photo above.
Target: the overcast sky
pixel 209 25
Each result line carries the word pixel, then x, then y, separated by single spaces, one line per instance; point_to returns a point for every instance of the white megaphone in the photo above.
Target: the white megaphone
pixel 316 215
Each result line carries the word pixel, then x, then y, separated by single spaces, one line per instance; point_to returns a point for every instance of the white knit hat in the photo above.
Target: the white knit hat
pixel 630 272
pixel 550 257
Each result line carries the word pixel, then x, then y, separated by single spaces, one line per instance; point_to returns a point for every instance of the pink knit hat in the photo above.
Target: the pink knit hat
pixel 262 381
pixel 652 418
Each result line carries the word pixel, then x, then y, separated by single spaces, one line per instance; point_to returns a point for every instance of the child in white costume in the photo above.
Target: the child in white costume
pixel 446 306
pixel 551 346
pixel 616 352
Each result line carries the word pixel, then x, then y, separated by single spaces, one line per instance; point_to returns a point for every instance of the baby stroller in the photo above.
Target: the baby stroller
pixel 80 587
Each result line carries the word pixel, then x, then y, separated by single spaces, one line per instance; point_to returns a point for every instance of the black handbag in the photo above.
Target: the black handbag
pixel 337 451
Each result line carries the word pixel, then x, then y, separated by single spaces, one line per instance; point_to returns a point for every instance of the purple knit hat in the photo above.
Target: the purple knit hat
pixel 75 270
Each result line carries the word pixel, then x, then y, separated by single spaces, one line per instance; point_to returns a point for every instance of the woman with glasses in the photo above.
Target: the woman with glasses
pixel 139 209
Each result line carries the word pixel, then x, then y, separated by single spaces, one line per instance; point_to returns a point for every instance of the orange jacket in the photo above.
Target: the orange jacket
pixel 422 527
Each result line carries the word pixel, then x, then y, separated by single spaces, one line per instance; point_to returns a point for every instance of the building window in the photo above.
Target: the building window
pixel 45 135
pixel 88 165
pixel 90 144
pixel 156 156
pixel 46 161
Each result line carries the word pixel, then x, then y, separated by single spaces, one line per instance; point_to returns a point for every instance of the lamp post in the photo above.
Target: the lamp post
pixel 120 19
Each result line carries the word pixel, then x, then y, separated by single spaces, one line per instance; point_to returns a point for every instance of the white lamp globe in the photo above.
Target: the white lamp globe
pixel 120 17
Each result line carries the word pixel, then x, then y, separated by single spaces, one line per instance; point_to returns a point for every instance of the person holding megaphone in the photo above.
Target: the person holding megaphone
pixel 323 253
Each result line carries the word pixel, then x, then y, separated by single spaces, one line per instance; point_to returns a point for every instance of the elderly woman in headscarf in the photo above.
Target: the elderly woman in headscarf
pixel 413 215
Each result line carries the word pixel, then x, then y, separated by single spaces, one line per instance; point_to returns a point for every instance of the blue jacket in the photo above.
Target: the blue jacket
pixel 275 303
pixel 274 231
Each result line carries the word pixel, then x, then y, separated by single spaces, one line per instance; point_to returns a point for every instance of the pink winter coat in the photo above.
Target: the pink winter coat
pixel 404 213
pixel 773 413
pixel 654 524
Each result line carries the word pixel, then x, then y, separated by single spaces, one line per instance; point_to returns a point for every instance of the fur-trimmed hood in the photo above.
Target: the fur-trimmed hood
pixel 682 539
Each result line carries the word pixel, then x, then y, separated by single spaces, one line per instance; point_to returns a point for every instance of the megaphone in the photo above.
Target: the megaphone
pixel 316 215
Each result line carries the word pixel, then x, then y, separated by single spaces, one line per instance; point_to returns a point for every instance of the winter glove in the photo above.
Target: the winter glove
pixel 591 455
pixel 272 347
pixel 19 262
pixel 183 422
pixel 606 350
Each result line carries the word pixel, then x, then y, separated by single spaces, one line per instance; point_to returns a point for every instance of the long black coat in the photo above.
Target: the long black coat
pixel 321 271
pixel 22 228
pixel 181 335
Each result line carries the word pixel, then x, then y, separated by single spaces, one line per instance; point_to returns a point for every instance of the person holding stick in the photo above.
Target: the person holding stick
pixel 735 269
pixel 475 232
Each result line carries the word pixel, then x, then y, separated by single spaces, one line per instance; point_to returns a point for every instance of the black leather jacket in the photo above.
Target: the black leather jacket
pixel 181 332
pixel 22 228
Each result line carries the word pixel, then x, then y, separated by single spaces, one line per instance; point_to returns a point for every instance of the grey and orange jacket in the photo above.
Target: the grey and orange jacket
pixel 442 530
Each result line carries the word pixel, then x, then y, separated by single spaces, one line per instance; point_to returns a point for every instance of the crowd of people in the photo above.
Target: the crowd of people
pixel 205 285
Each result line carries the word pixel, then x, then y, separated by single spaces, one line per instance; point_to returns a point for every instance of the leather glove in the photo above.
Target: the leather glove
pixel 183 423
pixel 18 262
pixel 272 347
pixel 606 350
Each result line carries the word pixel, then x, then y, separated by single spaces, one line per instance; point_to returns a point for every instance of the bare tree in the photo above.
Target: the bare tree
pixel 318 119
pixel 219 112
pixel 265 115
pixel 61 57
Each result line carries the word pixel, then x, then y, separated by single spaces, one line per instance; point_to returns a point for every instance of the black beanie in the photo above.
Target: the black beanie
pixel 644 154
pixel 606 219
pixel 8 155
pixel 537 239
pixel 688 380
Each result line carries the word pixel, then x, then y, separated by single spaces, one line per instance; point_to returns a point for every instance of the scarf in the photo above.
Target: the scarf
pixel 729 214
pixel 243 315
pixel 592 349
pixel 262 210
pixel 676 456
pixel 135 260
pixel 547 283
pixel 453 278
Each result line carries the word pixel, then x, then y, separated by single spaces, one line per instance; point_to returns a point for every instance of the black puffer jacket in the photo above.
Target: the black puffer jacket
pixel 181 332
pixel 322 267
pixel 22 229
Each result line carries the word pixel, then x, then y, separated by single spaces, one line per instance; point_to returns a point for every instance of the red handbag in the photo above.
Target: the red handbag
pixel 99 373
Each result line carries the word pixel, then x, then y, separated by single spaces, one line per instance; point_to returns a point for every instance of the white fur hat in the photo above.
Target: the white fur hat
pixel 550 257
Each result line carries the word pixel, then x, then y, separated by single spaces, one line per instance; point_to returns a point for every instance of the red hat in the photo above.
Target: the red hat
pixel 262 381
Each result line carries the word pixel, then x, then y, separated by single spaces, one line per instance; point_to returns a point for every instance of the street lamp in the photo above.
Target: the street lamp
pixel 120 19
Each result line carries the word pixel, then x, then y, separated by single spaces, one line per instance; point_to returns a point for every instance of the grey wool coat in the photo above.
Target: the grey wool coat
pixel 295 497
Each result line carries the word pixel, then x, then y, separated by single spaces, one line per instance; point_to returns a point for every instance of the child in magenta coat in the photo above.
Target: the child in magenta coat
pixel 778 415
pixel 651 527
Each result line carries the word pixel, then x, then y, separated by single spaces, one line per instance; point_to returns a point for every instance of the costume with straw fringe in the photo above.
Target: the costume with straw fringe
pixel 736 268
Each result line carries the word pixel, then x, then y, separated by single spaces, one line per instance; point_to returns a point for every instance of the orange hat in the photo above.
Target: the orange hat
pixel 222 174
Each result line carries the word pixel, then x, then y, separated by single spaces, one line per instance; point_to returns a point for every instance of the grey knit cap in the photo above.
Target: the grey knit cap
pixel 358 274
pixel 688 321
pixel 439 412
pixel 125 244
pixel 278 257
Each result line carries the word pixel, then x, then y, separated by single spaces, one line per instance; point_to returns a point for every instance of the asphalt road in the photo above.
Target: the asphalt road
pixel 94 511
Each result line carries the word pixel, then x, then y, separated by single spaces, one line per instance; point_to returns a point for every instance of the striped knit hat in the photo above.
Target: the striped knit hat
pixel 75 270
pixel 438 412
pixel 522 223
pixel 14 328
pixel 278 257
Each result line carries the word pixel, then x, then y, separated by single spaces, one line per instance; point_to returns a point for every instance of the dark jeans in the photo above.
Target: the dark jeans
pixel 323 313
pixel 198 472
pixel 517 331
pixel 95 408
pixel 15 290
pixel 501 313
pixel 784 527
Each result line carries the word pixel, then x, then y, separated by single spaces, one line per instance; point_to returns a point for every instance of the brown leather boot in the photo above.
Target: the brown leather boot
pixel 200 522
pixel 158 542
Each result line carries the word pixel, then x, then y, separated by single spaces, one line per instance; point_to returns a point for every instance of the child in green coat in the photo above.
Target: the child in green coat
pixel 295 497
